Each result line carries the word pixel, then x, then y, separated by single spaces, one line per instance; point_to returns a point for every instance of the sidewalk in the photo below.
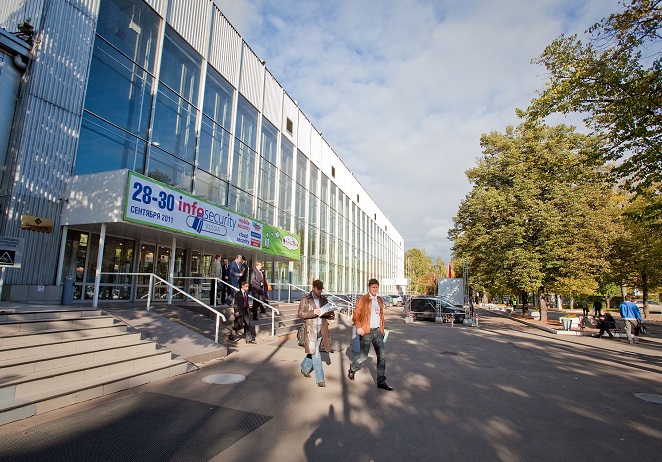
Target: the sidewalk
pixel 460 394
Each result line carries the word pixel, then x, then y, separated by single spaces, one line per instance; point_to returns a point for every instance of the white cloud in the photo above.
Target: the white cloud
pixel 403 89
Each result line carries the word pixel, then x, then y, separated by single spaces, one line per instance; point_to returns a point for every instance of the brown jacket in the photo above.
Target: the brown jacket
pixel 306 312
pixel 363 310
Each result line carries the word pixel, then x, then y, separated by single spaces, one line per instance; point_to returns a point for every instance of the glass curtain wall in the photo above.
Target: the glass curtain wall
pixel 172 150
pixel 285 184
pixel 313 224
pixel 266 196
pixel 242 183
pixel 116 116
pixel 211 175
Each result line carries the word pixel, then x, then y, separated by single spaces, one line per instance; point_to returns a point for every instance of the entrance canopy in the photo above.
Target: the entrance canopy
pixel 136 207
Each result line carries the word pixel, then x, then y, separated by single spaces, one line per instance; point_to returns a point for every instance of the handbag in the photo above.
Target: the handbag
pixel 301 334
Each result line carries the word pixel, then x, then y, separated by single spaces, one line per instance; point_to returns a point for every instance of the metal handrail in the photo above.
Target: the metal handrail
pixel 274 310
pixel 152 277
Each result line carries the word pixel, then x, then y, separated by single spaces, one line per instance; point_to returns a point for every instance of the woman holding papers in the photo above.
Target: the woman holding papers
pixel 316 331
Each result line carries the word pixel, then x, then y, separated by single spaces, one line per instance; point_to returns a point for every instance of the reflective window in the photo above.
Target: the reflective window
pixel 286 156
pixel 175 113
pixel 302 168
pixel 314 179
pixel 120 149
pixel 268 143
pixel 169 170
pixel 243 167
pixel 118 97
pixel 285 202
pixel 241 201
pixel 211 188
pixel 214 142
pixel 246 127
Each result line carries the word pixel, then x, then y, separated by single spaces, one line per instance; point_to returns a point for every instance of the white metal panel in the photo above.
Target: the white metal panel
pixel 95 198
pixel 13 12
pixel 303 134
pixel 192 20
pixel 225 49
pixel 273 99
pixel 290 111
pixel 63 58
pixel 159 6
pixel 252 77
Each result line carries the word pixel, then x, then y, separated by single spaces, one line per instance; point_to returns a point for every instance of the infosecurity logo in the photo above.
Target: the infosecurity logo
pixel 290 242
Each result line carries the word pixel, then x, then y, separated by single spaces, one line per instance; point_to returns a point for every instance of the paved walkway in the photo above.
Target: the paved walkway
pixel 500 391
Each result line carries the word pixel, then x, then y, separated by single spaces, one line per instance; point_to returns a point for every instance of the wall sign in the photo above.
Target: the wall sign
pixel 152 203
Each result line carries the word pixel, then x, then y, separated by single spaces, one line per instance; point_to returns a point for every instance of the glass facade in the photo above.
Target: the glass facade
pixel 166 112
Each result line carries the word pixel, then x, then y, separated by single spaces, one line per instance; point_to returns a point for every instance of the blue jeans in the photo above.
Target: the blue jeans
pixel 375 338
pixel 314 362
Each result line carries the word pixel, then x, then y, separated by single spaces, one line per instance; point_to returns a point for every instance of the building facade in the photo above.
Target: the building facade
pixel 140 129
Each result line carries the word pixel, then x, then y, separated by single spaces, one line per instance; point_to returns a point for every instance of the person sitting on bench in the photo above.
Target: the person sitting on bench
pixel 605 322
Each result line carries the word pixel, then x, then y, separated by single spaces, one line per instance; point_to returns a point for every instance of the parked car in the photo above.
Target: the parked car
pixel 424 307
pixel 396 300
pixel 449 300
pixel 387 300
pixel 652 305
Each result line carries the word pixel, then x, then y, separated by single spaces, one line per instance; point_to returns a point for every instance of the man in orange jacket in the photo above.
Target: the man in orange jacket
pixel 369 321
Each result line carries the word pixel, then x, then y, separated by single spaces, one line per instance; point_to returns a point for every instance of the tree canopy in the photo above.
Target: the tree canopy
pixel 535 217
pixel 616 80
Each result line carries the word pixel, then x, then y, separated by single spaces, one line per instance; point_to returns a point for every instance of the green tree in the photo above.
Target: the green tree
pixel 616 80
pixel 421 271
pixel 535 220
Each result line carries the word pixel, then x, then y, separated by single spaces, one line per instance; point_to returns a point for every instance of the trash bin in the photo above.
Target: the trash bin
pixel 68 291
pixel 356 341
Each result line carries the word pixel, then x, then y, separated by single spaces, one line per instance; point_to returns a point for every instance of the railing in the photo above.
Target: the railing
pixel 274 310
pixel 153 280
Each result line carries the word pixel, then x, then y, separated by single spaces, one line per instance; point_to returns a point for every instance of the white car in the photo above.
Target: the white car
pixel 396 300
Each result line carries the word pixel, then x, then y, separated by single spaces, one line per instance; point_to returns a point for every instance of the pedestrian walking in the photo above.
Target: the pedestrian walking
pixel 316 331
pixel 242 311
pixel 629 311
pixel 369 321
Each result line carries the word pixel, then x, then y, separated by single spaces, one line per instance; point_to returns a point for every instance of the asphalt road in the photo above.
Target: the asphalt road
pixel 502 391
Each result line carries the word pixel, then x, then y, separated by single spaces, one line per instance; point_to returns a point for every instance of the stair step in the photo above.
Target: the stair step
pixel 12 409
pixel 47 314
pixel 19 386
pixel 66 345
pixel 33 325
pixel 56 360
pixel 57 334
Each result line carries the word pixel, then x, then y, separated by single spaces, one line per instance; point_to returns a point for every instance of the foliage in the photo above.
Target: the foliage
pixel 421 271
pixel 538 214
pixel 616 79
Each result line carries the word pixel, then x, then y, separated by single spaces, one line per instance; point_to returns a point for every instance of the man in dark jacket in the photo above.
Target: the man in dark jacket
pixel 316 330
pixel 257 289
pixel 241 312
pixel 225 276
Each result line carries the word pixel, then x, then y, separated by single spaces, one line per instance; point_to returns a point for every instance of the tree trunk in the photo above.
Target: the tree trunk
pixel 624 291
pixel 572 302
pixel 644 289
pixel 543 305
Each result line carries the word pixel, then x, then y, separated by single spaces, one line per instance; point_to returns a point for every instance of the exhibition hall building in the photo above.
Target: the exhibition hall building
pixel 145 137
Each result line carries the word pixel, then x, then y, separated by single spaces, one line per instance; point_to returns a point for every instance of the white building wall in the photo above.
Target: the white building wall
pixel 252 77
pixel 225 48
pixel 191 19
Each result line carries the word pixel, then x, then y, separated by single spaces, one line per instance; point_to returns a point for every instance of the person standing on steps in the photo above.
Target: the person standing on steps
pixel 257 289
pixel 216 271
pixel 225 276
pixel 242 312
pixel 316 331
pixel 369 321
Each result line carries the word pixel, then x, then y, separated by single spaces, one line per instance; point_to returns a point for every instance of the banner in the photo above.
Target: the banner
pixel 280 242
pixel 152 203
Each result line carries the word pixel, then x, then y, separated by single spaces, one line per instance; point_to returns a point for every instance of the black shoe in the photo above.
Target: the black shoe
pixel 305 374
pixel 385 386
pixel 350 374
pixel 321 384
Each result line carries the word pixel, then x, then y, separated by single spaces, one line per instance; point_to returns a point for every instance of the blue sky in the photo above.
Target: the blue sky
pixel 402 90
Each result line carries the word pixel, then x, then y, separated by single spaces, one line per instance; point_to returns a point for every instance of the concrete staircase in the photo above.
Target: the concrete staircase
pixel 54 358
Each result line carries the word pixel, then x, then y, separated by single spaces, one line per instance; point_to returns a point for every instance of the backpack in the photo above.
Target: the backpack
pixel 301 335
